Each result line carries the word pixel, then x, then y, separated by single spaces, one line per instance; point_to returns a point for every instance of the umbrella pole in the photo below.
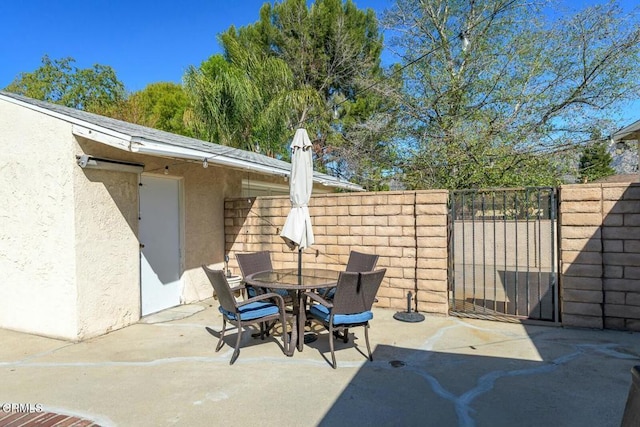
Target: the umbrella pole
pixel 299 266
pixel 309 337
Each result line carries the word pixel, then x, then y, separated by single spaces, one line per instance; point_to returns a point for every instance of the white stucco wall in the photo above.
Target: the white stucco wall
pixel 203 195
pixel 107 261
pixel 37 237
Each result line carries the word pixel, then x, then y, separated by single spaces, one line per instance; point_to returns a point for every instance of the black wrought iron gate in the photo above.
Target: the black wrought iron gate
pixel 503 254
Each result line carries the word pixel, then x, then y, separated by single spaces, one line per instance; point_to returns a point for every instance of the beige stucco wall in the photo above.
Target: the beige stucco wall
pixel 204 191
pixel 38 290
pixel 105 196
pixel 106 244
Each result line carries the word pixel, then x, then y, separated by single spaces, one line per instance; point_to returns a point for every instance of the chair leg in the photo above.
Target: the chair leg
pixel 269 327
pixel 293 337
pixel 236 351
pixel 220 341
pixel 286 338
pixel 366 338
pixel 344 335
pixel 333 356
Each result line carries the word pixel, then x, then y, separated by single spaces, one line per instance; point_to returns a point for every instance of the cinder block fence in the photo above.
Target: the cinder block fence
pixel 599 246
pixel 600 255
pixel 408 230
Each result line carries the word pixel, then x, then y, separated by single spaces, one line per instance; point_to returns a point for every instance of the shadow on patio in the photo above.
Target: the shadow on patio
pixel 466 375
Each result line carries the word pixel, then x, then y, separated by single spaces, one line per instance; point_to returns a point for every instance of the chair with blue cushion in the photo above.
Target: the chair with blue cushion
pixel 350 307
pixel 256 262
pixel 259 309
pixel 358 262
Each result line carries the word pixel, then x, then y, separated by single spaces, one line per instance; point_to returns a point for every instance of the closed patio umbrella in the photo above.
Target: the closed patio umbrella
pixel 297 229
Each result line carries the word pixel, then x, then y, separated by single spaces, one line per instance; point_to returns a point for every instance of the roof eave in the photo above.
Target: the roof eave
pixel 162 149
pixel 628 132
pixel 134 143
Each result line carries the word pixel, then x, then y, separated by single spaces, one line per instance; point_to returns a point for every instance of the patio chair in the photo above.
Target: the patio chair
pixel 256 262
pixel 259 309
pixel 358 262
pixel 351 306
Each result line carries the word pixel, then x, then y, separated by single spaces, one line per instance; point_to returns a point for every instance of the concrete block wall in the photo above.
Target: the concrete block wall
pixel 408 230
pixel 598 226
pixel 600 255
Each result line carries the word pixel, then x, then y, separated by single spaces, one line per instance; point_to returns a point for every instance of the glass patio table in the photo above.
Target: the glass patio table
pixel 296 284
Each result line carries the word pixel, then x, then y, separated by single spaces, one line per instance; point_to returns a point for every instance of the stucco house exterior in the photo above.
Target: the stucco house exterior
pixel 103 221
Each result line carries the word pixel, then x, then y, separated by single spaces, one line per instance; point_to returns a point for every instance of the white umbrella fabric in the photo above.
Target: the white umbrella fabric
pixel 297 230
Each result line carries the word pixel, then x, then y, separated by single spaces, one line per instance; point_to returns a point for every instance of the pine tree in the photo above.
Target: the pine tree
pixel 595 162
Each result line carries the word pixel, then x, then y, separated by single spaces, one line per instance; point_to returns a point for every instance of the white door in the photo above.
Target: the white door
pixel 159 232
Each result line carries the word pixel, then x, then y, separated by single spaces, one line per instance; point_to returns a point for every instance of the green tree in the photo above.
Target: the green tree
pixel 333 48
pixel 60 82
pixel 244 99
pixel 595 162
pixel 161 106
pixel 491 86
pixel 305 66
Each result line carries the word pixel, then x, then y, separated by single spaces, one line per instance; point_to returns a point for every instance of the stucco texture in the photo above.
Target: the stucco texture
pixel 108 206
pixel 107 266
pixel 37 239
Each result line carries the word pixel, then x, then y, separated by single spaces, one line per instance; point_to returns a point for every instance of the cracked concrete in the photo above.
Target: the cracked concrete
pixel 441 372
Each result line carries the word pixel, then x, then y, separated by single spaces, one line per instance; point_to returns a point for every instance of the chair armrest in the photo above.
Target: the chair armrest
pixel 238 288
pixel 269 295
pixel 317 298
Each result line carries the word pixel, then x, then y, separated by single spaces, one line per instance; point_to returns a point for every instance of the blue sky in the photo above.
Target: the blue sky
pixel 144 41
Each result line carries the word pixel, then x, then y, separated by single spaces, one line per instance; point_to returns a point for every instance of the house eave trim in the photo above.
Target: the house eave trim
pixel 112 139
pixel 144 146
pixel 164 150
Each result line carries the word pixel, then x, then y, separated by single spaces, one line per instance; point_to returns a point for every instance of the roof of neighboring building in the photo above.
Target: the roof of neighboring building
pixel 628 132
pixel 627 177
pixel 145 140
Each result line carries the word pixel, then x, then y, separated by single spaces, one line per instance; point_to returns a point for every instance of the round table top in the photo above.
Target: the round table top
pixel 310 278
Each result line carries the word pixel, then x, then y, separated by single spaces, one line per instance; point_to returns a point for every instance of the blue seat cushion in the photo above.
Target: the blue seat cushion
pixel 321 312
pixel 251 311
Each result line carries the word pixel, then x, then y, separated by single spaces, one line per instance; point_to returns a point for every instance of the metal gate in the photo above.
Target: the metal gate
pixel 503 254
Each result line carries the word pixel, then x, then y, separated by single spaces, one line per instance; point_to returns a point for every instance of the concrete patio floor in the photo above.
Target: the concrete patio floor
pixel 164 371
